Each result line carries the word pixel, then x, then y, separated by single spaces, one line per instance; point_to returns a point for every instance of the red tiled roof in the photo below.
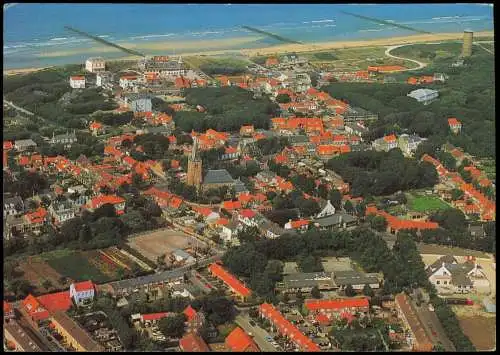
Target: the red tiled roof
pixel 453 121
pixel 288 329
pixel 247 213
pixel 231 150
pixel 230 280
pixel 100 200
pixel 193 343
pixel 7 307
pixel 323 319
pixel 7 145
pixel 231 205
pixel 336 304
pixel 77 78
pixel 190 313
pixel 222 222
pixel 59 301
pixel 239 341
pixel 84 286
pixel 300 223
pixel 156 316
pixel 37 216
pixel 390 138
pixel 399 224
pixel 95 125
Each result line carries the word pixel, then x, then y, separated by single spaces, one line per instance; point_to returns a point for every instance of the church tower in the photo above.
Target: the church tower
pixel 194 167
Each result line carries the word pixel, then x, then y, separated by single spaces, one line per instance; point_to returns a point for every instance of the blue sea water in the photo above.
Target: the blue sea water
pixel 32 30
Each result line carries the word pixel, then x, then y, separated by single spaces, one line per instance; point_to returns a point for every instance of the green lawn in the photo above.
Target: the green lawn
pixel 76 266
pixel 427 204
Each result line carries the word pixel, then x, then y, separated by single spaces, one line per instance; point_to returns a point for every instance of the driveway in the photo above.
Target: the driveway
pixel 259 334
pixel 432 325
pixel 388 54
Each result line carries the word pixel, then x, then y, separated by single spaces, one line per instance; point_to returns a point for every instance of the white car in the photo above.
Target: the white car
pixel 431 307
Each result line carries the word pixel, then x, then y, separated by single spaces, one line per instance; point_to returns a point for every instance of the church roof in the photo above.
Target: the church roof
pixel 221 176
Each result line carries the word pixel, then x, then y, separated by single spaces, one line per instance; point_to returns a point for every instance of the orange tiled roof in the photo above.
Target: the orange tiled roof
pixel 193 343
pixel 239 341
pixel 288 329
pixel 336 304
pixel 230 280
pixel 299 223
pixel 7 145
pixel 453 121
pixel 37 216
pixel 100 200
pixel 231 205
pixel 390 138
pixel 190 313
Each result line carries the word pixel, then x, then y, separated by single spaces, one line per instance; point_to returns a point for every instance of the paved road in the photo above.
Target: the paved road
pixel 388 54
pixel 18 108
pixel 486 49
pixel 431 324
pixel 259 334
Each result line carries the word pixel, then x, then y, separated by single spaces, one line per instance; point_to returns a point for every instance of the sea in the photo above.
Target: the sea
pixel 35 34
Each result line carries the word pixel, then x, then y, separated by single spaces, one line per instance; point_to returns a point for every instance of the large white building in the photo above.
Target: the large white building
pixel 82 292
pixel 128 81
pixel 77 82
pixel 96 64
pixel 425 96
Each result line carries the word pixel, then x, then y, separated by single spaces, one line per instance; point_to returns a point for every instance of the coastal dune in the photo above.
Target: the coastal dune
pixel 220 46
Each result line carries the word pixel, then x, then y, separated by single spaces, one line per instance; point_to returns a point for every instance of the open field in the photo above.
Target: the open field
pixel 97 265
pixel 36 271
pixel 350 59
pixel 332 264
pixel 481 331
pixel 157 243
pixel 426 203
pixel 78 267
pixel 444 250
pixel 478 325
pixel 427 52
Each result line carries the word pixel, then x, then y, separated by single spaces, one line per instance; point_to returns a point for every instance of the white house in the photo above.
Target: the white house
pixel 95 64
pixel 128 81
pixel 425 96
pixel 82 293
pixel 181 255
pixel 229 233
pixel 247 217
pixel 328 210
pixel 103 78
pixel 448 275
pixel 77 82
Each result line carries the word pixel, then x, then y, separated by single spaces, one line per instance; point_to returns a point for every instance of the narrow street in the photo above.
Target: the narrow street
pixel 259 334
pixel 388 54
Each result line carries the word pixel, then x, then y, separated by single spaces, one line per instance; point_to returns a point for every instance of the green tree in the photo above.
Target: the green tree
pixel 349 291
pixel 315 292
pixel 378 223
pixel 173 326
pixel 283 98
pixel 335 198
pixel 367 291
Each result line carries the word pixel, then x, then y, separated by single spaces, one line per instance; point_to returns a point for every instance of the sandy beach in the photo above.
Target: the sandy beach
pixel 211 47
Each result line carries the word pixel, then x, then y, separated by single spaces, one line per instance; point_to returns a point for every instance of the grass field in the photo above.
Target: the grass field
pixel 425 52
pixel 426 203
pixel 77 267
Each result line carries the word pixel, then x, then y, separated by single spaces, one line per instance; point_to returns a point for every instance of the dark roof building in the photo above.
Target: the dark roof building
pixel 220 176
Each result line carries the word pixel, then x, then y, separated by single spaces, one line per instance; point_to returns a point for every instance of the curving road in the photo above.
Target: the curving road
pixel 388 54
